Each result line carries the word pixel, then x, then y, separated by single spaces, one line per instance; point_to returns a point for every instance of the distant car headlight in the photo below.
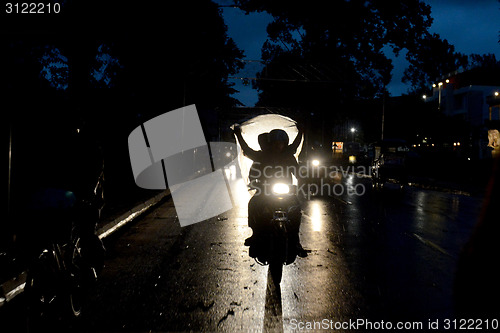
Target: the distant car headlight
pixel 280 189
pixel 315 162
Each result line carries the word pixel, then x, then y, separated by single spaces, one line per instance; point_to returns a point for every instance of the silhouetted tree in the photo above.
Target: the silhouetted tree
pixel 435 58
pixel 339 45
pixel 111 65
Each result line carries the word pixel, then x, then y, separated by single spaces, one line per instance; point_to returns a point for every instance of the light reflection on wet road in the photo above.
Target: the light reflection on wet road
pixel 386 255
pixel 404 246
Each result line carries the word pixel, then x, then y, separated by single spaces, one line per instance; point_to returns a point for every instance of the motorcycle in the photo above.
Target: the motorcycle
pixel 275 244
pixel 389 164
pixel 274 210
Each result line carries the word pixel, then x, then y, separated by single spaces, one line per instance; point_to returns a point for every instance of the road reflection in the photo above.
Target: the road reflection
pixel 316 216
pixel 320 285
pixel 269 308
pixel 365 250
pixel 273 310
pixel 312 288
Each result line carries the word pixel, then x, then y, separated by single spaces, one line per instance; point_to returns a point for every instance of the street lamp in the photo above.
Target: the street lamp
pixel 352 131
pixel 440 84
pixel 439 88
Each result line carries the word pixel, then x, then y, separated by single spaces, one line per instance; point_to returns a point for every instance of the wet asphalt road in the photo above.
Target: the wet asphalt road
pixel 383 255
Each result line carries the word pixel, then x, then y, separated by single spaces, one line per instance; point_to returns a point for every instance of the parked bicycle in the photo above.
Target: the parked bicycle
pixel 68 260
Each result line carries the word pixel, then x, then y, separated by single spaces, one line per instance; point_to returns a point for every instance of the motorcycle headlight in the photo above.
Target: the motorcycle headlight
pixel 280 189
pixel 315 162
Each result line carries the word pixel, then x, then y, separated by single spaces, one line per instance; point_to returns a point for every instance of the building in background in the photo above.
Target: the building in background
pixel 471 96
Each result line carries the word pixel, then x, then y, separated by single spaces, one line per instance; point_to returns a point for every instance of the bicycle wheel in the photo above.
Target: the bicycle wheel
pixel 75 288
pixel 41 289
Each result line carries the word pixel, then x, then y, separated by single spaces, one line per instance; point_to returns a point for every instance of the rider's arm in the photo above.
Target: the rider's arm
pixel 247 151
pixel 298 139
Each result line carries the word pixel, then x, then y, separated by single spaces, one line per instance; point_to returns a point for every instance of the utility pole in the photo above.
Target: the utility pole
pixel 383 116
pixel 10 172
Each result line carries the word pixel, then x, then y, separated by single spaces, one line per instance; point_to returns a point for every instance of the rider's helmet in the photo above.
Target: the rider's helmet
pixel 278 140
pixel 278 135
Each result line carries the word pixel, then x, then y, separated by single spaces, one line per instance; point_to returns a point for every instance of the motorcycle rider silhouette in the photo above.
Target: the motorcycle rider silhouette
pixel 274 162
pixel 254 176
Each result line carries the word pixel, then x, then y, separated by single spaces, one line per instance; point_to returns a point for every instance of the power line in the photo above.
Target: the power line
pixel 302 73
pixel 282 80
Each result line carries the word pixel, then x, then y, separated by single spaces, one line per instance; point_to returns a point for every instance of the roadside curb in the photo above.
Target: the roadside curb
pixel 112 226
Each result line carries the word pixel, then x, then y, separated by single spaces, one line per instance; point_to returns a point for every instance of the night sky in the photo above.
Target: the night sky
pixel 471 26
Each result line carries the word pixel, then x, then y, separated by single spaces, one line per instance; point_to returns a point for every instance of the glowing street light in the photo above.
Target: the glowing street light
pixel 439 86
pixel 352 131
pixel 493 102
